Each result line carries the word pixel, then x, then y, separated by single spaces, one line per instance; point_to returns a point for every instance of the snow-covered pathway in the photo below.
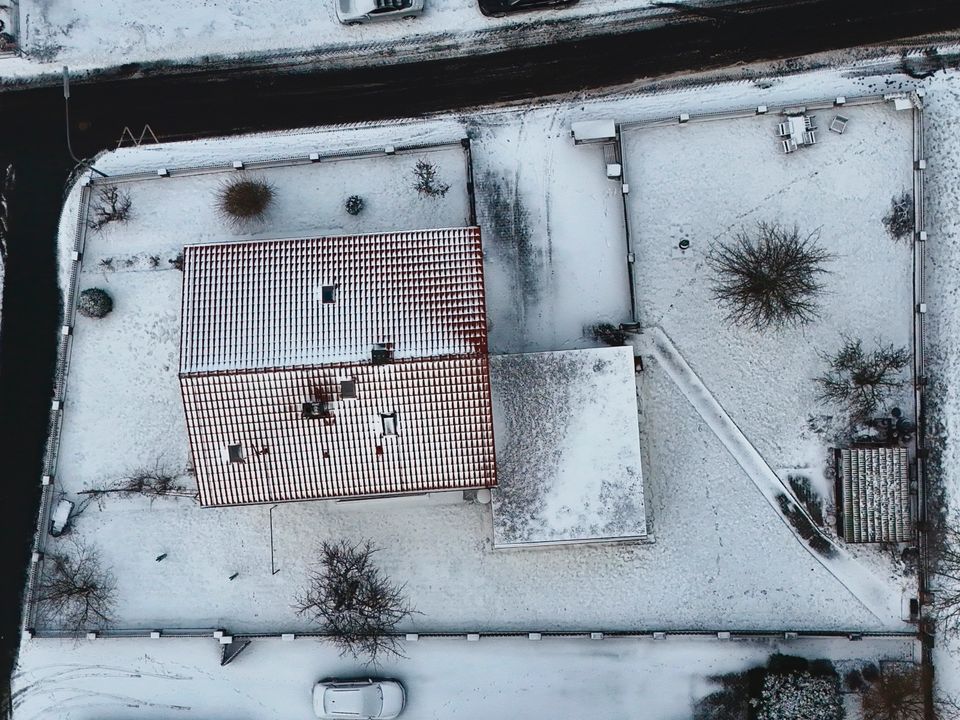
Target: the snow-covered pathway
pixel 879 598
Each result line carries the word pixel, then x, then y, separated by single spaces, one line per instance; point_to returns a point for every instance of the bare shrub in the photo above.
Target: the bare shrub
pixel 769 279
pixel 863 381
pixel 799 696
pixel 76 591
pixel 354 205
pixel 427 182
pixel 177 262
pixel 354 601
pixel 242 200
pixel 899 221
pixel 94 303
pixel 111 205
pixel 946 566
pixel 608 334
pixel 154 482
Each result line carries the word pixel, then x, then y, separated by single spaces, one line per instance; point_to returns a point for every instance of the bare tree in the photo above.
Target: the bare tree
pixel 112 205
pixel 354 601
pixel 769 279
pixel 898 694
pixel 153 482
pixel 863 381
pixel 946 566
pixel 76 590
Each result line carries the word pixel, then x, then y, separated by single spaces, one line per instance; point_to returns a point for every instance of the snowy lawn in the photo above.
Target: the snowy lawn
pixel 704 182
pixel 554 261
pixel 495 677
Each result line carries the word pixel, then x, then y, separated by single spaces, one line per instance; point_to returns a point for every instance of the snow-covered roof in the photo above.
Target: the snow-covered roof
pixel 875 484
pixel 414 426
pixel 337 367
pixel 568 448
pixel 289 303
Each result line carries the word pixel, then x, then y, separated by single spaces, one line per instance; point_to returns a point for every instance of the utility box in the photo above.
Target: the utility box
pixel 586 132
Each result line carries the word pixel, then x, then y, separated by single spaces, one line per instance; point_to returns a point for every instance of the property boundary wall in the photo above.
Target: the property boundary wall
pixel 89 184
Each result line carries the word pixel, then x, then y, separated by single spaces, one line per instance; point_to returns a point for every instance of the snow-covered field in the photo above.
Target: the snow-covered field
pixel 493 678
pixel 108 33
pixel 554 262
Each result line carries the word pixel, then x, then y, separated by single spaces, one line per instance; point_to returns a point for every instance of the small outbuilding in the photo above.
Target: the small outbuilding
pixel 874 489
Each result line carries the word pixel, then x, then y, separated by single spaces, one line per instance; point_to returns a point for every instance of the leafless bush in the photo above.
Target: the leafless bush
pixel 769 279
pixel 154 482
pixel 354 601
pixel 76 590
pixel 863 381
pixel 242 200
pixel 608 334
pixel 112 205
pixel 899 221
pixel 427 181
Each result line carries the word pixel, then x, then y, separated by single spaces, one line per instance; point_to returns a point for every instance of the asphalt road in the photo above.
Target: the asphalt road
pixel 216 100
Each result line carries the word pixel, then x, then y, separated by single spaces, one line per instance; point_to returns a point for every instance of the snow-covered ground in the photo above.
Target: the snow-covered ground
pixel 943 322
pixel 706 181
pixel 107 33
pixel 495 677
pixel 554 262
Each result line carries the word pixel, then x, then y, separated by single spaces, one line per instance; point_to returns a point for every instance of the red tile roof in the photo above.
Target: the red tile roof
pixel 443 441
pixel 258 342
pixel 259 304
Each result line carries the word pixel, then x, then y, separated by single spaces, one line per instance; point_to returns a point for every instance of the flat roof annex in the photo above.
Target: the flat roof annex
pixel 310 301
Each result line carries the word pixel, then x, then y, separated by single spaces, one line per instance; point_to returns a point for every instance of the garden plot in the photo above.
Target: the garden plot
pixel 449 677
pixel 706 181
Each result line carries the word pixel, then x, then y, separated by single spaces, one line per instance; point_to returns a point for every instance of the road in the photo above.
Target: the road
pixel 445 678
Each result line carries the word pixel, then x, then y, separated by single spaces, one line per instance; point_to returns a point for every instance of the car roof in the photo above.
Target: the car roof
pixel 353 700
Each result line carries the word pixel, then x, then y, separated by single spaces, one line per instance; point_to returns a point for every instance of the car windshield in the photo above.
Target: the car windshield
pixel 360 701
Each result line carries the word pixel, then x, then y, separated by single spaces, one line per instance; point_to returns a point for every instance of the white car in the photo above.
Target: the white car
pixel 358 699
pixel 354 12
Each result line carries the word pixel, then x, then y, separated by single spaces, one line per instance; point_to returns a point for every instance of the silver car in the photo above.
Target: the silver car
pixel 354 12
pixel 358 699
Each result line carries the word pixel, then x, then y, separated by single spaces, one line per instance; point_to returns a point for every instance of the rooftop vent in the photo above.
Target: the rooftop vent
pixel 315 410
pixel 382 354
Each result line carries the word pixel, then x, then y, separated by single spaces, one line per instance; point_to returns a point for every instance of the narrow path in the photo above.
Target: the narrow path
pixel 878 597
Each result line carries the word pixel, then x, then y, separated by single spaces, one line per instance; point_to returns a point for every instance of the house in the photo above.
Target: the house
pixel 337 367
pixel 874 490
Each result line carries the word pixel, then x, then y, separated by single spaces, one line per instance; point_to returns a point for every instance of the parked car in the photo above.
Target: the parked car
pixel 499 8
pixel 358 699
pixel 354 12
